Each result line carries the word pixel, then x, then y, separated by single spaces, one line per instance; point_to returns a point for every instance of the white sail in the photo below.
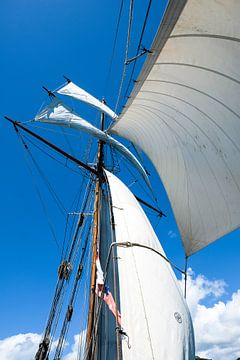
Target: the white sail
pixel 153 311
pixel 58 113
pixel 77 93
pixel 184 112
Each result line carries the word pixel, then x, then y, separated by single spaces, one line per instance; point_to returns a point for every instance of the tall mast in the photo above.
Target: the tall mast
pixel 100 159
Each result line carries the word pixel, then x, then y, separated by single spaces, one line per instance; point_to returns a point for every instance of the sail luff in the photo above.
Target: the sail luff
pixel 115 271
pixel 107 328
pixel 154 315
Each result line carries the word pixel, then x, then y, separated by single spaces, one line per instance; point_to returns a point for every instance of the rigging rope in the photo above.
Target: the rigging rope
pixel 69 311
pixel 139 46
pixel 64 238
pixel 87 266
pixel 81 171
pixel 87 198
pixel 50 130
pixel 126 54
pixel 149 194
pixel 25 147
pixel 67 142
pixel 114 47
pixel 126 245
pixel 47 183
pixel 129 244
pixel 60 288
pixel 185 277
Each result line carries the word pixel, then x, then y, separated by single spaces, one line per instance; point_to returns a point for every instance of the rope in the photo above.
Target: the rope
pixel 126 245
pixel 63 282
pixel 126 54
pixel 114 47
pixel 50 130
pixel 47 183
pixel 185 277
pixel 139 45
pixel 87 266
pixel 66 321
pixel 64 238
pixel 24 146
pixel 67 141
pixel 149 194
pixel 80 172
pixel 129 244
pixel 77 199
pixel 60 292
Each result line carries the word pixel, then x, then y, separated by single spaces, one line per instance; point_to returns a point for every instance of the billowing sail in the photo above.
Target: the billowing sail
pixel 77 93
pixel 154 314
pixel 58 113
pixel 184 112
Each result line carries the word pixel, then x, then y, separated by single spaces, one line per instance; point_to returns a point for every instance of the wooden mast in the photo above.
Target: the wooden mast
pixel 95 240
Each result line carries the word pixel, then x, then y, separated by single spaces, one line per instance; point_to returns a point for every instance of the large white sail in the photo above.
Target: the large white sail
pixel 80 94
pixel 153 311
pixel 59 114
pixel 184 112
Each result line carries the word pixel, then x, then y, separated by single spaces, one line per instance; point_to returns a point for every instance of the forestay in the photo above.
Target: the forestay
pixel 59 114
pixel 153 311
pixel 184 113
pixel 77 93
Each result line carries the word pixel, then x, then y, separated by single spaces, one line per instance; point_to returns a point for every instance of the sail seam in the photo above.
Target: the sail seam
pixel 196 108
pixel 196 167
pixel 214 36
pixel 143 304
pixel 200 68
pixel 204 157
pixel 197 90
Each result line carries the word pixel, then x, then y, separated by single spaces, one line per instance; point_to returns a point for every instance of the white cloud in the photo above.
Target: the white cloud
pixel 24 346
pixel 77 347
pixel 217 327
pixel 19 347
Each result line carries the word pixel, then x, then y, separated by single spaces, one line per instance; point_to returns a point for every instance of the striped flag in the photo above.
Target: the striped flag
pixel 107 296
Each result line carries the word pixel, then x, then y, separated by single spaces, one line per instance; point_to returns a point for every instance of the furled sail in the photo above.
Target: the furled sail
pixel 77 93
pixel 58 113
pixel 184 112
pixel 154 314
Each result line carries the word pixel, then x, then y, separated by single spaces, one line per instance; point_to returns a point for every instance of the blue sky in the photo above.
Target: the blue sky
pixel 40 41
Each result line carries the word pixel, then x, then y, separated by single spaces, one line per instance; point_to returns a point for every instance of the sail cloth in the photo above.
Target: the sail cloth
pixel 77 93
pixel 153 311
pixel 184 112
pixel 58 113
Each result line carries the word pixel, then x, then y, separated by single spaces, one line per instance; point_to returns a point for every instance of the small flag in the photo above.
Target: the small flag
pixel 109 300
pixel 107 296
